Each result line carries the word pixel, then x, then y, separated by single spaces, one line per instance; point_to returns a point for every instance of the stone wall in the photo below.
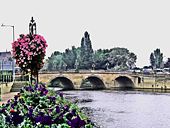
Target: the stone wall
pixel 6 87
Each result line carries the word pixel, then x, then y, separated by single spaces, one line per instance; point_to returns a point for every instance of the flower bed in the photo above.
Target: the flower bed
pixel 36 107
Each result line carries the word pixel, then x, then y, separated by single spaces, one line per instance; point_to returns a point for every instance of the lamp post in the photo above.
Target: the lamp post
pixel 3 25
pixel 2 80
pixel 13 36
pixel 107 65
pixel 76 65
pixel 93 66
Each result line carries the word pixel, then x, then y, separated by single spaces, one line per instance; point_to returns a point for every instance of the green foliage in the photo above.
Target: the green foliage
pixel 55 62
pixel 36 107
pixel 69 57
pixel 156 59
pixel 86 53
pixel 116 59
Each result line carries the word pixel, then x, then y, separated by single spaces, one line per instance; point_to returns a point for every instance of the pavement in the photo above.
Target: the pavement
pixel 7 96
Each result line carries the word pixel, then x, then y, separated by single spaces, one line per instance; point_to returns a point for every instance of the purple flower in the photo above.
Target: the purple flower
pixel 50 110
pixel 16 118
pixel 12 106
pixel 8 119
pixel 46 120
pixel 38 119
pixel 66 108
pixel 43 91
pixel 77 122
pixel 69 122
pixel 57 109
pixel 61 94
pixel 30 110
pixel 16 97
pixel 2 110
pixel 36 86
pixel 8 101
pixel 41 113
pixel 15 103
pixel 73 112
pixel 59 119
pixel 29 88
pixel 52 99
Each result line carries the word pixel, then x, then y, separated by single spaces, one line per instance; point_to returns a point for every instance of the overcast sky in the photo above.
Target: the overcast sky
pixel 139 25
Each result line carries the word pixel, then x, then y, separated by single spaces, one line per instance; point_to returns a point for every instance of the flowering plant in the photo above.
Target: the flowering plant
pixel 34 107
pixel 29 52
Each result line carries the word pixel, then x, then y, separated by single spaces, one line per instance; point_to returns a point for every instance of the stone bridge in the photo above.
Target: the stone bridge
pixel 104 80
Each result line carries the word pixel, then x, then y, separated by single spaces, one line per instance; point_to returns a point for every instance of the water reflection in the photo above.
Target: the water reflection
pixel 124 109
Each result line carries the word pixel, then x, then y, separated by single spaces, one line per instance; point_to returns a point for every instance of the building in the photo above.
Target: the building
pixel 7 65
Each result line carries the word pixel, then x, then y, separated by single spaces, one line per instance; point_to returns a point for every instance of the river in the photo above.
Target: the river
pixel 124 109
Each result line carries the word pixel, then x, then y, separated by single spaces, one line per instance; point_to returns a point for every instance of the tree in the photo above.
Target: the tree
pixel 66 60
pixel 167 63
pixel 100 59
pixel 131 60
pixel 152 60
pixel 55 61
pixel 86 53
pixel 69 57
pixel 156 59
pixel 29 52
pixel 117 58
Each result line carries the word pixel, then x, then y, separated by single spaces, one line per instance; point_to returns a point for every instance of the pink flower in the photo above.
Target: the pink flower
pixel 25 50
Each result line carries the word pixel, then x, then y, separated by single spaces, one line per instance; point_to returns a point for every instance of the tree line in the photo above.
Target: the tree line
pixel 85 58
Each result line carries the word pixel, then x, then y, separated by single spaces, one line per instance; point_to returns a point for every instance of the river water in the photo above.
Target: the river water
pixel 124 109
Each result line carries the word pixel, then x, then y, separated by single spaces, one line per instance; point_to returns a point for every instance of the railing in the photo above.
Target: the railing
pixel 100 72
pixel 6 78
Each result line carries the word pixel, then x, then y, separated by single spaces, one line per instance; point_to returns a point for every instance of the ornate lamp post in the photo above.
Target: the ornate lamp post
pixel 107 66
pixel 32 30
pixel 32 27
pixel 29 51
pixel 65 66
pixel 93 66
pixel 76 65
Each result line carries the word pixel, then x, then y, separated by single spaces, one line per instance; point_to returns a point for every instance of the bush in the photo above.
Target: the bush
pixel 36 107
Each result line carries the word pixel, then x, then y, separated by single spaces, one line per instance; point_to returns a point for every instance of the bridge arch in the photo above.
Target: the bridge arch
pixel 92 82
pixel 62 82
pixel 124 82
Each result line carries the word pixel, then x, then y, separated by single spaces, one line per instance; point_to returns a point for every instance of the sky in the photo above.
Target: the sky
pixel 138 25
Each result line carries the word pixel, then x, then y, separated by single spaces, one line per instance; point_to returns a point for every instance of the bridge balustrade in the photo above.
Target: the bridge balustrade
pixel 22 78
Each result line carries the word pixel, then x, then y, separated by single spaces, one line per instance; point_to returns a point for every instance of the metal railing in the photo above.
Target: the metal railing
pixel 6 78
